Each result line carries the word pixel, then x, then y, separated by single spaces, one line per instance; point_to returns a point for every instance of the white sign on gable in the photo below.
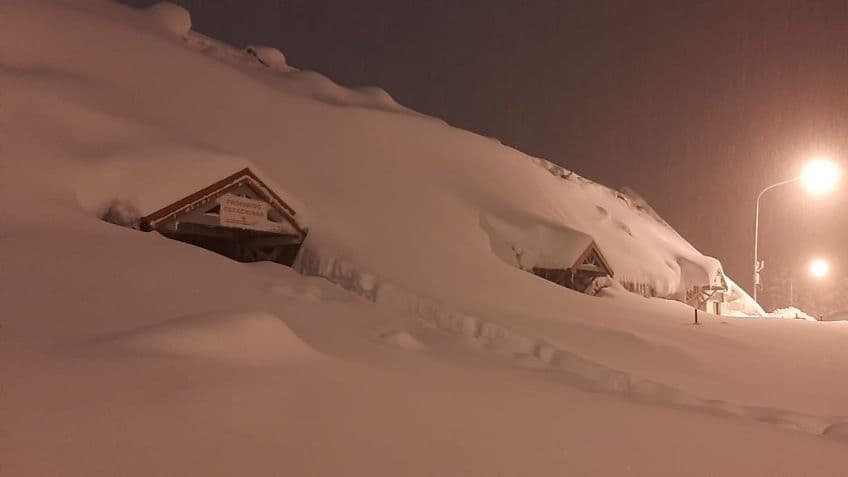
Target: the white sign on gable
pixel 245 213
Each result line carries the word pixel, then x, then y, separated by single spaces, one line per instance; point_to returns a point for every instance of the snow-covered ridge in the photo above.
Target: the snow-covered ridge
pixel 177 21
pixel 392 158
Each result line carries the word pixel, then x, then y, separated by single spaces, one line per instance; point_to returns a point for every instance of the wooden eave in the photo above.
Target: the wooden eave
pixel 212 192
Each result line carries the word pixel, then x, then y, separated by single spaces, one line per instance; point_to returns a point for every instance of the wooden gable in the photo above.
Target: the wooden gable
pixel 581 275
pixel 240 200
pixel 239 217
pixel 593 261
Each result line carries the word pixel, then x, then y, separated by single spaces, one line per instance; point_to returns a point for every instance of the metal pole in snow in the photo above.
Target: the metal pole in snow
pixel 696 316
pixel 758 265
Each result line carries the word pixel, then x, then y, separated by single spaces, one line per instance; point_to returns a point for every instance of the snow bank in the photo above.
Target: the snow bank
pixel 270 57
pixel 212 366
pixel 280 75
pixel 151 179
pixel 641 247
pixel 792 313
pixel 240 338
pixel 171 17
pixel 528 243
pixel 402 339
pixel 739 303
pixel 375 197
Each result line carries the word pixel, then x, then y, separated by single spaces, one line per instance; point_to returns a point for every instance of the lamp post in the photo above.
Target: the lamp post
pixel 819 177
pixel 758 265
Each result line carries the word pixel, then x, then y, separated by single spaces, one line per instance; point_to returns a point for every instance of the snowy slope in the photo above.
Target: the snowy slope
pixel 204 110
pixel 131 342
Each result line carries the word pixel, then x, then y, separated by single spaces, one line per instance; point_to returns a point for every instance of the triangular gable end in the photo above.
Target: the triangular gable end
pixel 209 195
pixel 592 260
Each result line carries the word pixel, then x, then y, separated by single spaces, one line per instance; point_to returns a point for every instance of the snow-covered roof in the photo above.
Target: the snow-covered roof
pixel 568 250
pixel 530 245
pixel 212 191
pixel 152 179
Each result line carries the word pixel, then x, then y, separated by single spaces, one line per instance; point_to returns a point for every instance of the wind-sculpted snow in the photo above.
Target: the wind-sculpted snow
pixel 385 184
pixel 171 17
pixel 126 353
pixel 292 80
pixel 642 248
pixel 572 369
pixel 258 338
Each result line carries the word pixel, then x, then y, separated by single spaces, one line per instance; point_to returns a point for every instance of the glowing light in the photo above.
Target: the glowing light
pixel 819 268
pixel 820 176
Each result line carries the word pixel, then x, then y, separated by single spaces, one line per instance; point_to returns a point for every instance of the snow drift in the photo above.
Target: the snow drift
pixel 253 338
pixel 181 361
pixel 388 205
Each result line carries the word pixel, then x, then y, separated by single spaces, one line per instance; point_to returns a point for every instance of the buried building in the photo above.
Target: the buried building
pixel 575 261
pixel 554 252
pixel 586 264
pixel 239 216
pixel 589 263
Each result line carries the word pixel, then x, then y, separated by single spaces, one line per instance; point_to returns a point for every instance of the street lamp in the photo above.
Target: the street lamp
pixel 819 268
pixel 819 177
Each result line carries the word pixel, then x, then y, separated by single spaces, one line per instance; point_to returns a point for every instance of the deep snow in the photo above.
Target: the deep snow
pixel 127 353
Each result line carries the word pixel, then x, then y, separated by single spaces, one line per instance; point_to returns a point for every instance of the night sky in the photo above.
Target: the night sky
pixel 696 105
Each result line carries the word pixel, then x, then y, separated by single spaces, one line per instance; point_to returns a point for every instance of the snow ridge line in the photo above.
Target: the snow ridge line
pixel 579 372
